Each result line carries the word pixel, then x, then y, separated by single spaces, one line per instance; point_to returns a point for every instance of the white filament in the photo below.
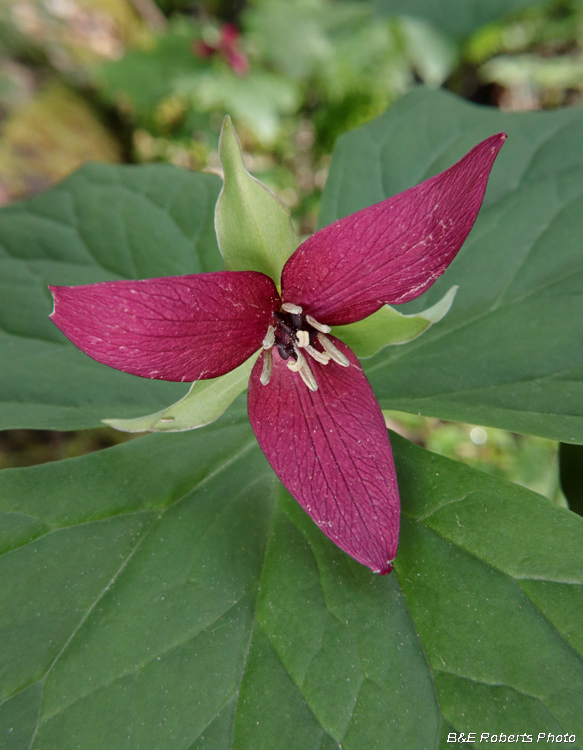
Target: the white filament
pixel 308 378
pixel 322 357
pixel 269 339
pixel 290 308
pixel 333 351
pixel 318 326
pixel 267 367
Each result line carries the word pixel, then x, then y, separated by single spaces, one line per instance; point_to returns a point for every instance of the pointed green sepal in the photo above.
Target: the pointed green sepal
pixel 253 225
pixel 387 326
pixel 203 404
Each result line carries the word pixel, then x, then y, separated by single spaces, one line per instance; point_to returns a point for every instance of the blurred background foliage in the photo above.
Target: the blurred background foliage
pixel 150 80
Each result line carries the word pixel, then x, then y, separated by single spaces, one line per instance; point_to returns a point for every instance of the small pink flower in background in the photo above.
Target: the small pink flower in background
pixel 310 405
pixel 226 47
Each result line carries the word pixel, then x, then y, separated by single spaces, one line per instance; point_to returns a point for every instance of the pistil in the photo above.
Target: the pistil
pixel 295 335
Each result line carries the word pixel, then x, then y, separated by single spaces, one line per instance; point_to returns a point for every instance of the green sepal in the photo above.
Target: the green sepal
pixel 253 225
pixel 203 404
pixel 387 326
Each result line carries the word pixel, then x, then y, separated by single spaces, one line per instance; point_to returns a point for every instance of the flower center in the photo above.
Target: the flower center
pixel 289 333
pixel 294 335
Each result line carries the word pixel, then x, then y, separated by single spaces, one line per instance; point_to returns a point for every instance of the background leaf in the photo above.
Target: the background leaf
pixel 506 355
pixel 142 78
pixel 457 17
pixel 147 608
pixel 257 101
pixel 101 224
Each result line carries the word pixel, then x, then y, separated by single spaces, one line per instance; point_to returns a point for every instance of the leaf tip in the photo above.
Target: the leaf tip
pixel 123 425
pixel 438 311
pixel 227 128
pixel 230 146
pixel 53 290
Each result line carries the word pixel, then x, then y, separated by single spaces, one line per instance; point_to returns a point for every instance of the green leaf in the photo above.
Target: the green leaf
pixel 257 101
pixel 142 78
pixel 204 403
pixel 507 353
pixel 432 54
pixel 103 223
pixel 199 606
pixel 388 326
pixel 457 17
pixel 301 39
pixel 253 225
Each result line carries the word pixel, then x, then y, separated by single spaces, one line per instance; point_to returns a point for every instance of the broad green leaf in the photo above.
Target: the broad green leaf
pixel 196 605
pixel 204 403
pixel 103 223
pixel 457 17
pixel 253 225
pixel 507 354
pixel 388 326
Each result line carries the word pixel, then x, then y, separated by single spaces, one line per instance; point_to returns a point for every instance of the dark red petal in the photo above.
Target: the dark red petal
pixel 202 49
pixel 229 34
pixel 237 62
pixel 393 251
pixel 181 328
pixel 331 450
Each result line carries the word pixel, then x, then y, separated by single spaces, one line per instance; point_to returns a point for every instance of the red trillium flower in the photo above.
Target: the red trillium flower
pixel 310 405
pixel 227 47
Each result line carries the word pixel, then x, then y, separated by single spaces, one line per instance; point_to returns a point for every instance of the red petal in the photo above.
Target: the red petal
pixel 181 328
pixel 331 450
pixel 229 34
pixel 237 62
pixel 393 251
pixel 202 49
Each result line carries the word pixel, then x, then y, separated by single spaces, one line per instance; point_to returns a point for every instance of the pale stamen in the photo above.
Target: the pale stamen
pixel 318 326
pixel 290 308
pixel 303 338
pixel 333 351
pixel 269 339
pixel 267 367
pixel 308 378
pixel 297 365
pixel 322 357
